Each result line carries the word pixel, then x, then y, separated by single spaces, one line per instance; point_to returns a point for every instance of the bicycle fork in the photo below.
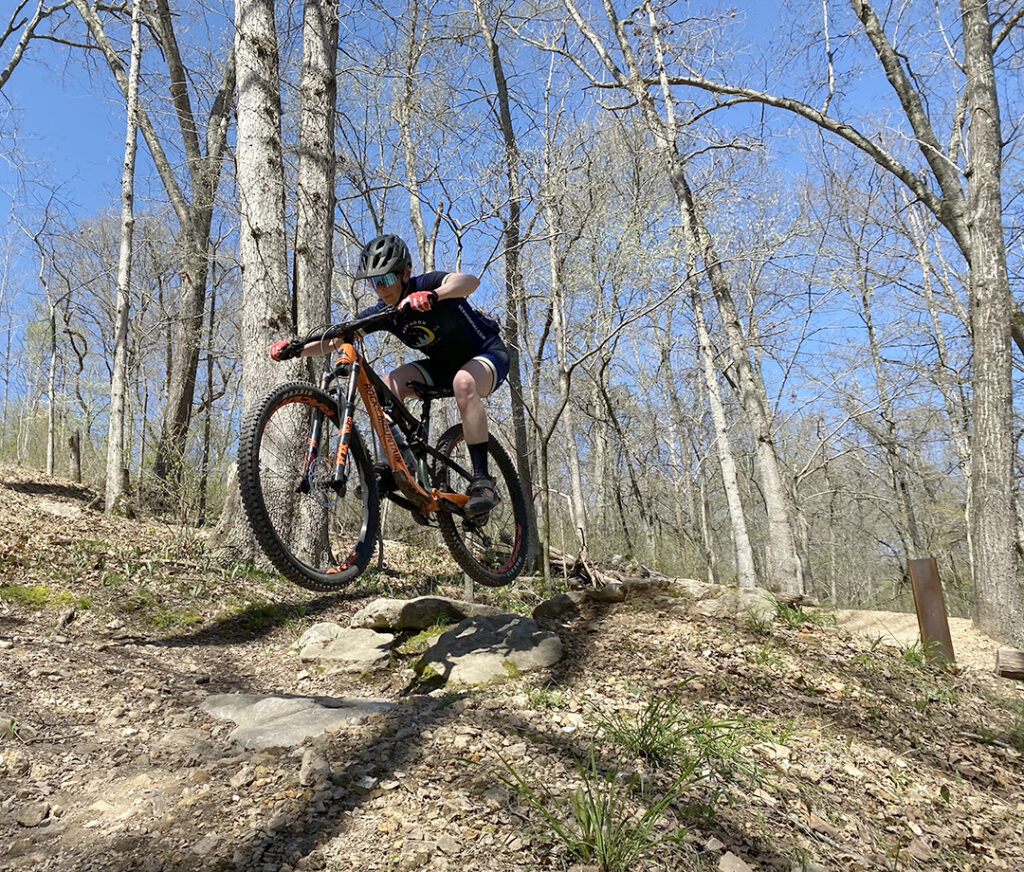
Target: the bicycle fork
pixel 347 358
pixel 339 472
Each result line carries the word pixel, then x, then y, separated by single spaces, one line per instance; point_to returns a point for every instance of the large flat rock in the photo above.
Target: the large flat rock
pixel 480 649
pixel 286 720
pixel 342 649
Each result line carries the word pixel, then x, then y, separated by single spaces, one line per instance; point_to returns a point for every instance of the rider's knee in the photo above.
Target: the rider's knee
pixel 464 386
pixel 392 382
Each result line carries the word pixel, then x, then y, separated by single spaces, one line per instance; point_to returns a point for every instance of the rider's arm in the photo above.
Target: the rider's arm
pixel 320 347
pixel 457 286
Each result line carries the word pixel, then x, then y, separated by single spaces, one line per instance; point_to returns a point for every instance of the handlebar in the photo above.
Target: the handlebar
pixel 348 329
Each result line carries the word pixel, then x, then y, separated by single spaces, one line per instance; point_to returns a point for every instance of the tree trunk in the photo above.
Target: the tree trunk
pixel 51 390
pixel 888 437
pixel 746 575
pixel 75 456
pixel 403 114
pixel 204 460
pixel 514 286
pixel 999 596
pixel 266 304
pixel 784 570
pixel 314 228
pixel 119 376
pixel 183 363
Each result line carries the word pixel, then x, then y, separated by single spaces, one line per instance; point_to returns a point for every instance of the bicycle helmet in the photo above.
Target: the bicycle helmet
pixel 383 255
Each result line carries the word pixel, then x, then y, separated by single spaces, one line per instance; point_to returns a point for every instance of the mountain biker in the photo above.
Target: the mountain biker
pixel 463 347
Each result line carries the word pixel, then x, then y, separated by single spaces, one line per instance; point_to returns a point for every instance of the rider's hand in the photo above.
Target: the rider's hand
pixel 421 301
pixel 286 349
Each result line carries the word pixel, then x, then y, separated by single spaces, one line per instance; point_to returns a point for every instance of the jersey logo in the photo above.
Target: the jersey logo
pixel 418 336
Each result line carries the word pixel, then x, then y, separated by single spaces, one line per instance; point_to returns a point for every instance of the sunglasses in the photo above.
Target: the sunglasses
pixel 386 280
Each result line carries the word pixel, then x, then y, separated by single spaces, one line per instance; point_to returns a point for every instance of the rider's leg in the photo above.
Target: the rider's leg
pixel 398 380
pixel 471 384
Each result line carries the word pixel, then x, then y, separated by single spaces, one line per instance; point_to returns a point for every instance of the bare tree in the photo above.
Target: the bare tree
pixel 974 219
pixel 514 287
pixel 746 574
pixel 116 468
pixel 194 209
pixel 24 25
pixel 785 570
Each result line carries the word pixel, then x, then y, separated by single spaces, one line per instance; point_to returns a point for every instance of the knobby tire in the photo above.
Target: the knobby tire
pixel 311 541
pixel 495 552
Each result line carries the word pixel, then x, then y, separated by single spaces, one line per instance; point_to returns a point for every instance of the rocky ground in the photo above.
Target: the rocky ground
pixel 812 747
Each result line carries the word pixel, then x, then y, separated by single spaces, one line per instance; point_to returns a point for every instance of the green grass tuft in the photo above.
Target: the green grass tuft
pixel 611 822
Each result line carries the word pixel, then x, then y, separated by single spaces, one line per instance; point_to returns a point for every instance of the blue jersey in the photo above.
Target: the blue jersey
pixel 452 331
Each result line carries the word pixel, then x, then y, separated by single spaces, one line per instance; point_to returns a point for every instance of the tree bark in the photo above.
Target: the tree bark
pixel 999 600
pixel 314 229
pixel 746 575
pixel 119 374
pixel 514 286
pixel 266 303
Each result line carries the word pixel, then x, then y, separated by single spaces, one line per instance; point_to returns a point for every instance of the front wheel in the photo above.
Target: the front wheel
pixel 317 534
pixel 491 549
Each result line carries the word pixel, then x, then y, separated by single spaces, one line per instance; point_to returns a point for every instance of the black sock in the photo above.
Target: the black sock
pixel 478 454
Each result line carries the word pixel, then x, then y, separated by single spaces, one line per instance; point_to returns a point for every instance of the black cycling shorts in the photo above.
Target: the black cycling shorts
pixel 441 373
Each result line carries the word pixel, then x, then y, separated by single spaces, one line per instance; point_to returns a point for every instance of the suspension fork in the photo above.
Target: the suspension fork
pixel 346 357
pixel 316 425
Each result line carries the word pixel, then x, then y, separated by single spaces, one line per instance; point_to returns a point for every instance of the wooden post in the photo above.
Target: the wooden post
pixel 931 609
pixel 75 444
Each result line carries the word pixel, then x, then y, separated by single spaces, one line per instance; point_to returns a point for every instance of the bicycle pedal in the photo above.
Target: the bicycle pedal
pixel 476 523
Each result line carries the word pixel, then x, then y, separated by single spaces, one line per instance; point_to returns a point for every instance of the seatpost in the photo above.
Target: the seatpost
pixel 422 469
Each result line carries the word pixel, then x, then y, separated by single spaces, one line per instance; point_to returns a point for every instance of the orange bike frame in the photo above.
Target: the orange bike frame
pixel 426 501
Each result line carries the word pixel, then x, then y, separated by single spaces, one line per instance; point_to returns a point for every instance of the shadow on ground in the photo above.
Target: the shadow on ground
pixel 46 489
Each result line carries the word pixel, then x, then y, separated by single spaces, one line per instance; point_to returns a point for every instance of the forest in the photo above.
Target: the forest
pixel 759 264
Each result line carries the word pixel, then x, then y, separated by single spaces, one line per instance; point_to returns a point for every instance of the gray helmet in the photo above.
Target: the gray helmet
pixel 383 255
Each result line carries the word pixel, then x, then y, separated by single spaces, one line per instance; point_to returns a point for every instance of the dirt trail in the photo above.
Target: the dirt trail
pixel 834 752
pixel 970 647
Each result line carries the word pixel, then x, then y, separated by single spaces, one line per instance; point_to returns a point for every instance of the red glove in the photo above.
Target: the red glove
pixel 286 349
pixel 421 301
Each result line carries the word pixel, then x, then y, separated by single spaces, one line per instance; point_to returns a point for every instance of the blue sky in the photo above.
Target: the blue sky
pixel 78 135
pixel 62 122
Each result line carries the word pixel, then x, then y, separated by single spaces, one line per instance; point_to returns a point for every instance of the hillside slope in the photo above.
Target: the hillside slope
pixel 822 749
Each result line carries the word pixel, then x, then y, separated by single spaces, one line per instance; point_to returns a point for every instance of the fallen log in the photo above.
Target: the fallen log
pixel 1010 663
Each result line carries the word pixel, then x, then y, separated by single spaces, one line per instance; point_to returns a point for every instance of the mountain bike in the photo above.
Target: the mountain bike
pixel 313 494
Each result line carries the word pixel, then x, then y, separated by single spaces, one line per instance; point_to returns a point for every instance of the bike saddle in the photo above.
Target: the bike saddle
pixel 429 392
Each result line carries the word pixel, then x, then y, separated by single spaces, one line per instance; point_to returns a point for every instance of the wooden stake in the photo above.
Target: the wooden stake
pixel 931 609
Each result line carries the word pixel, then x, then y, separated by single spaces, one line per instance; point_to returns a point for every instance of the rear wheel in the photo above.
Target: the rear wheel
pixel 491 549
pixel 315 534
